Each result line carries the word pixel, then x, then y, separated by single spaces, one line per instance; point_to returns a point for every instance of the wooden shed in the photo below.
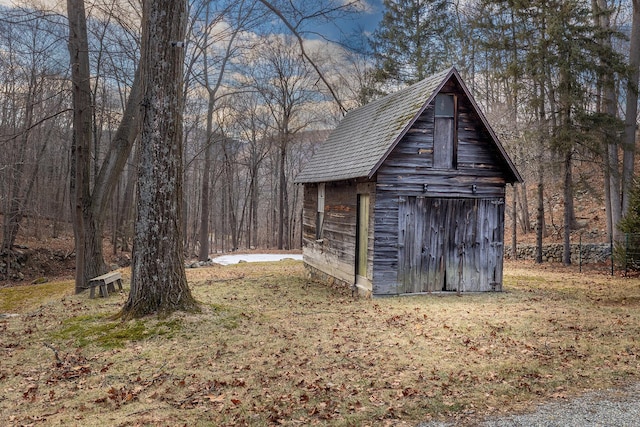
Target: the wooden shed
pixel 406 195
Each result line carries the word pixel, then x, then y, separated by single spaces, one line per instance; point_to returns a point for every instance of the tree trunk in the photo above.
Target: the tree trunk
pixel 543 132
pixel 206 191
pixel 631 111
pixel 609 107
pixel 525 226
pixel 81 144
pixel 127 211
pixel 158 279
pixel 253 241
pixel 540 220
pixel 514 225
pixel 90 209
pixel 568 207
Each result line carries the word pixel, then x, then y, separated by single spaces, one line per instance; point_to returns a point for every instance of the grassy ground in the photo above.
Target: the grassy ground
pixel 270 348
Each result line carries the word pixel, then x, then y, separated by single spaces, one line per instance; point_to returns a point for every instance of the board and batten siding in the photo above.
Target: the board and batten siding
pixel 335 252
pixel 408 172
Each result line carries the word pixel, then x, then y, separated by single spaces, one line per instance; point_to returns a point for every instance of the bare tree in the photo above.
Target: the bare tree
pixel 212 84
pixel 34 101
pixel 286 85
pixel 81 146
pixel 90 205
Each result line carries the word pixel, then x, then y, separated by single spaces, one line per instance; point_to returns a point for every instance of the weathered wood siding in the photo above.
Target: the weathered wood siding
pixel 335 252
pixel 449 244
pixel 408 172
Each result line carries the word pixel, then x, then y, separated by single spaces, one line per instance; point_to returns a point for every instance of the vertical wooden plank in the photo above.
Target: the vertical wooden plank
pixel 450 265
pixel 489 220
pixel 433 267
pixel 421 220
pixel 427 258
pixel 443 224
pixel 402 252
pixel 412 241
pixel 498 244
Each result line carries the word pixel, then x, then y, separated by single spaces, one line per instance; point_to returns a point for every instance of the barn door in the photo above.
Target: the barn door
pixel 420 245
pixel 449 244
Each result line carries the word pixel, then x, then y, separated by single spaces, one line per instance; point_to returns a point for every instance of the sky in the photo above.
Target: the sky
pixel 349 31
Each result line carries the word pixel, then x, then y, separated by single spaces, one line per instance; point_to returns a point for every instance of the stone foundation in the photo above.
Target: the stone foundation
pixel 326 279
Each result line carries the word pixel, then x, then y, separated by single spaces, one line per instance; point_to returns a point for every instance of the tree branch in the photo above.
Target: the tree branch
pixel 297 35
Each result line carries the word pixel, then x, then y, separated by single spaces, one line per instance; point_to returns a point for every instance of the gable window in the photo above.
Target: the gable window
pixel 320 212
pixel 444 132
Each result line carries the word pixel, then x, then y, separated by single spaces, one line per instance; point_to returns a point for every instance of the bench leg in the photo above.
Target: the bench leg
pixel 103 290
pixel 119 284
pixel 92 292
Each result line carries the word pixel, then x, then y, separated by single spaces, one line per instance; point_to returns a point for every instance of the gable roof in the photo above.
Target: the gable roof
pixel 365 136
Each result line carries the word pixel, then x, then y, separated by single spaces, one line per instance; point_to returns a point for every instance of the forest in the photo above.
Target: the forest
pixel 261 83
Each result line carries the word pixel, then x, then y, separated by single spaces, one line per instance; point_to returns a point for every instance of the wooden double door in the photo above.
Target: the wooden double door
pixel 450 244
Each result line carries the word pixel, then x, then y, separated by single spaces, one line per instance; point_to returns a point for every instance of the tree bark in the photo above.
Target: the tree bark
pixel 90 207
pixel 568 207
pixel 282 184
pixel 542 135
pixel 631 109
pixel 540 220
pixel 206 180
pixel 608 106
pixel 82 131
pixel 158 279
pixel 514 220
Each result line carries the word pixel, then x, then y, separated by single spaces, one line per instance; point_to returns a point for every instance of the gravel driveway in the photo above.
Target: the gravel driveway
pixel 614 408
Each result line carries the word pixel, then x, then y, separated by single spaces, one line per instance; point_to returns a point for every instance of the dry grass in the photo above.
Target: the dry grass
pixel 270 348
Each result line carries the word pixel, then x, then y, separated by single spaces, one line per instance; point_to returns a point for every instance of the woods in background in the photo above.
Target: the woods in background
pixel 558 80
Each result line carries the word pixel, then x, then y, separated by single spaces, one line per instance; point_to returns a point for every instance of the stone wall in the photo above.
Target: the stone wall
pixel 552 252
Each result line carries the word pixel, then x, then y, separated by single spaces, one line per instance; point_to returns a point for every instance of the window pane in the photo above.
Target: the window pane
pixel 444 105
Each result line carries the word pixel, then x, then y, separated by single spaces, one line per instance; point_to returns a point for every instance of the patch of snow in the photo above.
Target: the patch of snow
pixel 234 259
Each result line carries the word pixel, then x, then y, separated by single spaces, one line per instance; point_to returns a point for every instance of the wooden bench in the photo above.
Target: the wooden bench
pixel 106 283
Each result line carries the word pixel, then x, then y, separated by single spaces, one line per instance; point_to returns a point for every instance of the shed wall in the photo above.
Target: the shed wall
pixel 335 252
pixel 408 171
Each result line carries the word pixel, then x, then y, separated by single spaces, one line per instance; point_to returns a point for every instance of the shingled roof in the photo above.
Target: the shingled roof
pixel 365 136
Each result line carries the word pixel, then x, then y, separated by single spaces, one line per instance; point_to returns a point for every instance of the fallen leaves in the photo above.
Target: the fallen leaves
pixel 273 349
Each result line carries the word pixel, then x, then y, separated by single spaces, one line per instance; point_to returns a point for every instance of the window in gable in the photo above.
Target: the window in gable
pixel 444 132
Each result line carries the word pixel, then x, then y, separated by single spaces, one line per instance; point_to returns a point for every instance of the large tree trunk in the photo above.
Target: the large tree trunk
pixel 90 209
pixel 81 144
pixel 158 279
pixel 631 111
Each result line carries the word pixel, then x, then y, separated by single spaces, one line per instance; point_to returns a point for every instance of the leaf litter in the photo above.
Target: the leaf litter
pixel 272 348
